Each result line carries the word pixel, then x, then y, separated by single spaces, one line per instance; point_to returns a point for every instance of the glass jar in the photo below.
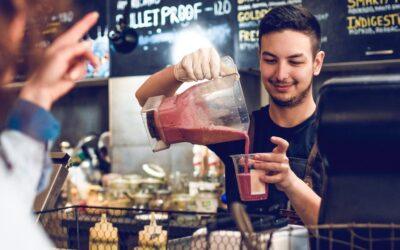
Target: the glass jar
pixel 161 200
pixel 206 201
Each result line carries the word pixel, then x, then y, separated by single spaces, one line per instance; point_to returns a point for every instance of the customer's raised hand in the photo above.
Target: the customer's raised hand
pixel 64 63
pixel 202 64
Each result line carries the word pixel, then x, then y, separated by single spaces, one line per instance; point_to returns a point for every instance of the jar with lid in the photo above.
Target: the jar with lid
pixel 206 201
pixel 161 200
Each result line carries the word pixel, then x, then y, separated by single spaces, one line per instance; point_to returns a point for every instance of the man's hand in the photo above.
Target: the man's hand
pixel 202 64
pixel 63 64
pixel 276 165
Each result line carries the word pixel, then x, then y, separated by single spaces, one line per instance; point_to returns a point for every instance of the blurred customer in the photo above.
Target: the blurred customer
pixel 24 163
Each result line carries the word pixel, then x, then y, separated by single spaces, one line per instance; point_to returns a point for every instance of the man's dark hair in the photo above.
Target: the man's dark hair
pixel 294 18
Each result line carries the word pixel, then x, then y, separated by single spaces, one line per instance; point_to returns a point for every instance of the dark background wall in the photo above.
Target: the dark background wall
pixel 83 111
pixel 373 69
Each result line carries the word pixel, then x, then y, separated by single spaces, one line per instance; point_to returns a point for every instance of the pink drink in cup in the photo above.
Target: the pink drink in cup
pixel 248 178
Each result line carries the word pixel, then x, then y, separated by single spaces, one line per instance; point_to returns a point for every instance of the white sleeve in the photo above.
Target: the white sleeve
pixel 18 186
pixel 26 157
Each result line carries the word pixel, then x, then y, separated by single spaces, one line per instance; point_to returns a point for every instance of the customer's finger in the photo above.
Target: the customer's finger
pixel 80 51
pixel 77 31
pixel 77 71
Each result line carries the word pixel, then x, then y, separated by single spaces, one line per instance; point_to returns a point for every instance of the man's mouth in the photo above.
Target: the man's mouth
pixel 282 87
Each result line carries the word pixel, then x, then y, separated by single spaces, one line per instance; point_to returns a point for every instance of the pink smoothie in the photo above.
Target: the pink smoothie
pixel 182 118
pixel 247 190
pixel 250 186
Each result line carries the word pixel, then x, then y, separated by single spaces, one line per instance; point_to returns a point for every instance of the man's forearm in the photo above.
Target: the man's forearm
pixel 305 202
pixel 160 83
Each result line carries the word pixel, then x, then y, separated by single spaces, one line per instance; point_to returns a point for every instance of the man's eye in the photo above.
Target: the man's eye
pixel 295 62
pixel 270 61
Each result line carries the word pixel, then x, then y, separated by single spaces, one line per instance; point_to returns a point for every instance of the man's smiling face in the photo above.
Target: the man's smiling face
pixel 287 66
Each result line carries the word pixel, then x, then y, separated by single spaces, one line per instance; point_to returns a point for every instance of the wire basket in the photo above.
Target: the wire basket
pixel 70 227
pixel 344 236
pixel 75 228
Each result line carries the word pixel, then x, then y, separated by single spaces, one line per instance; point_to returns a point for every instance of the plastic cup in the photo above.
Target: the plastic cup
pixel 248 178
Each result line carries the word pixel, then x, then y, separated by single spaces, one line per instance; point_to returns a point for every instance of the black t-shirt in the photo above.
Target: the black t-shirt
pixel 301 139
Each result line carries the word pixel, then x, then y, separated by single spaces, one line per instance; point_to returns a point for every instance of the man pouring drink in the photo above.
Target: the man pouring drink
pixel 282 133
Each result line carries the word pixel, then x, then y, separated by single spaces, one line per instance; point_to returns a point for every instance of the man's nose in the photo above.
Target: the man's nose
pixel 281 72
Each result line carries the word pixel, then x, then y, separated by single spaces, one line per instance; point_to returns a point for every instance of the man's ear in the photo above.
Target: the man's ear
pixel 318 61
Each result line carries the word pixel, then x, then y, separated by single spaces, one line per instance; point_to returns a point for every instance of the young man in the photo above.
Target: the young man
pixel 284 131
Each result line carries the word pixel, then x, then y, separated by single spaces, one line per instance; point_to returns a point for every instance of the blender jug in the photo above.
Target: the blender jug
pixel 210 112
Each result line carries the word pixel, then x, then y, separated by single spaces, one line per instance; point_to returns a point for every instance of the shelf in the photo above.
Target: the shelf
pixel 85 83
pixel 361 66
pixel 347 66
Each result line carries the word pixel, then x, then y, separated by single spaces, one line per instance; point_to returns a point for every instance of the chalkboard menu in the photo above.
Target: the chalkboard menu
pixel 170 29
pixel 249 15
pixel 358 30
pixel 55 20
pixel 353 31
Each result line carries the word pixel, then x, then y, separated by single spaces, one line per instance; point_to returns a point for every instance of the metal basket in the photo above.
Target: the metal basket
pixel 70 228
pixel 335 236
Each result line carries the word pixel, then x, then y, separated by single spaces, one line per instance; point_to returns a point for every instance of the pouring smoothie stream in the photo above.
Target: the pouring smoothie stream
pixel 207 113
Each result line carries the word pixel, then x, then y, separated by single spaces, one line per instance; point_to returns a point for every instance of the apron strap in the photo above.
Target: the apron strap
pixel 310 164
pixel 307 177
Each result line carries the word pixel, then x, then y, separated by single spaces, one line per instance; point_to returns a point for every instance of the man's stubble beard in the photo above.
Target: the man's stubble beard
pixel 294 100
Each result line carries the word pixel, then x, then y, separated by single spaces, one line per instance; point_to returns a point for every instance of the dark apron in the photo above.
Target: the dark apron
pixel 298 166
